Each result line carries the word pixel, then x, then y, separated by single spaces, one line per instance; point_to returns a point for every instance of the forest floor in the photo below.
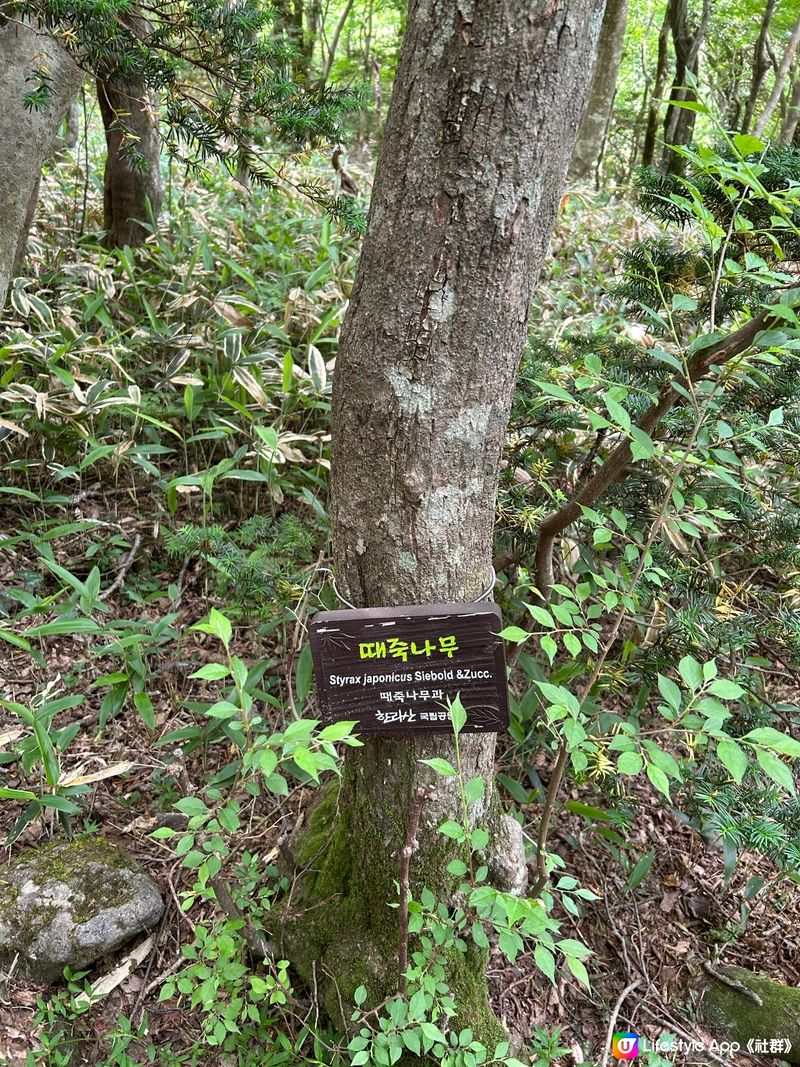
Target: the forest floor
pixel 656 933
pixel 654 923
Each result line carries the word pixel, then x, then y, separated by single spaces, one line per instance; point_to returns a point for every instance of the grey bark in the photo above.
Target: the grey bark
pixel 480 130
pixel 26 137
pixel 601 91
pixel 130 192
pixel 761 65
pixel 780 78
pixel 792 118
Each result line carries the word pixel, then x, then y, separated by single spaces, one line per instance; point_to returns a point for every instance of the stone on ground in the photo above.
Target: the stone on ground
pixel 70 902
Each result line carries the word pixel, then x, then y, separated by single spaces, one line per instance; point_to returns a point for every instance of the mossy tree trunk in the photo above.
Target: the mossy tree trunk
pixel 480 129
pixel 27 135
pixel 132 187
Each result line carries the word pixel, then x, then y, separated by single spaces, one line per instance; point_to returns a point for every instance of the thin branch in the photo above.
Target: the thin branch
pixel 612 1022
pixel 614 468
pixel 259 946
pixel 126 566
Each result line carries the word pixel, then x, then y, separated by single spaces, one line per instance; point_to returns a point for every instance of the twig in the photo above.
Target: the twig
pixel 409 847
pixel 740 987
pixel 126 566
pixel 616 464
pixel 612 1022
pixel 259 947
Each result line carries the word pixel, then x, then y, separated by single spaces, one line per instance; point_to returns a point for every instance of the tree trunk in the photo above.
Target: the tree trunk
pixel 26 135
pixel 132 187
pixel 480 129
pixel 792 118
pixel 760 66
pixel 679 121
pixel 780 78
pixel 601 92
pixel 662 68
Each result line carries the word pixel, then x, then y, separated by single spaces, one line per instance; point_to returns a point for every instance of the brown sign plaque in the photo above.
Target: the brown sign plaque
pixel 394 670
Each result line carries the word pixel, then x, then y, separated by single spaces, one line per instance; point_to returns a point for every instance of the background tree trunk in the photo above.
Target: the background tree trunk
pixel 662 69
pixel 128 187
pixel 679 121
pixel 780 78
pixel 601 92
pixel 26 136
pixel 480 129
pixel 792 118
pixel 761 65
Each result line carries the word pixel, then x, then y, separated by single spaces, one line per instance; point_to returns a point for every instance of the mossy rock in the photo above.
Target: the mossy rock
pixel 728 1012
pixel 70 902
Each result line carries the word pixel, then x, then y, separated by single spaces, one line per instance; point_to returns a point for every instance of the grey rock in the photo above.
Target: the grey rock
pixel 70 902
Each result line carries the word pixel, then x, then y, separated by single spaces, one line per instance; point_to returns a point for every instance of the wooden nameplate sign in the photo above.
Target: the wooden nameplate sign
pixel 394 670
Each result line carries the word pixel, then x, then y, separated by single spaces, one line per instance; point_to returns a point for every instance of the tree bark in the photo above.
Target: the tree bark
pixel 601 91
pixel 662 69
pixel 780 78
pixel 131 192
pixel 760 66
pixel 480 129
pixel 26 136
pixel 679 121
pixel 790 122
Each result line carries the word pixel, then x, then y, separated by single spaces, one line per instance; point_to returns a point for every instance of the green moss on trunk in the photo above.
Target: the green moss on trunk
pixel 730 1013
pixel 341 926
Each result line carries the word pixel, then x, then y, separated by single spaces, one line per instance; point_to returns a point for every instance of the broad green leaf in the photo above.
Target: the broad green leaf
pixel 441 766
pixel 732 757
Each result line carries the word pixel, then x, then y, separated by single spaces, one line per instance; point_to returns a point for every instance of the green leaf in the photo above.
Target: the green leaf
pixel 545 961
pixel 144 705
pixel 640 871
pixel 775 740
pixel 52 800
pixel 305 672
pixel 725 689
pixel 777 770
pixel 474 789
pixel 191 806
pixel 307 762
pixel 747 145
pixel 543 617
pixel 618 413
pixel 691 672
pixel 441 766
pixel 452 830
pixel 211 672
pixel 515 634
pixel 732 757
pixel 458 716
pixel 669 691
pixel 338 730
pixel 630 763
pixel 659 779
pixel 16 794
pixel 360 995
pixel 479 935
pixel 579 970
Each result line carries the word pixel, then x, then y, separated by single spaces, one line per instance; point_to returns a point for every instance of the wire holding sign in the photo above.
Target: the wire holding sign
pixel 398 669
